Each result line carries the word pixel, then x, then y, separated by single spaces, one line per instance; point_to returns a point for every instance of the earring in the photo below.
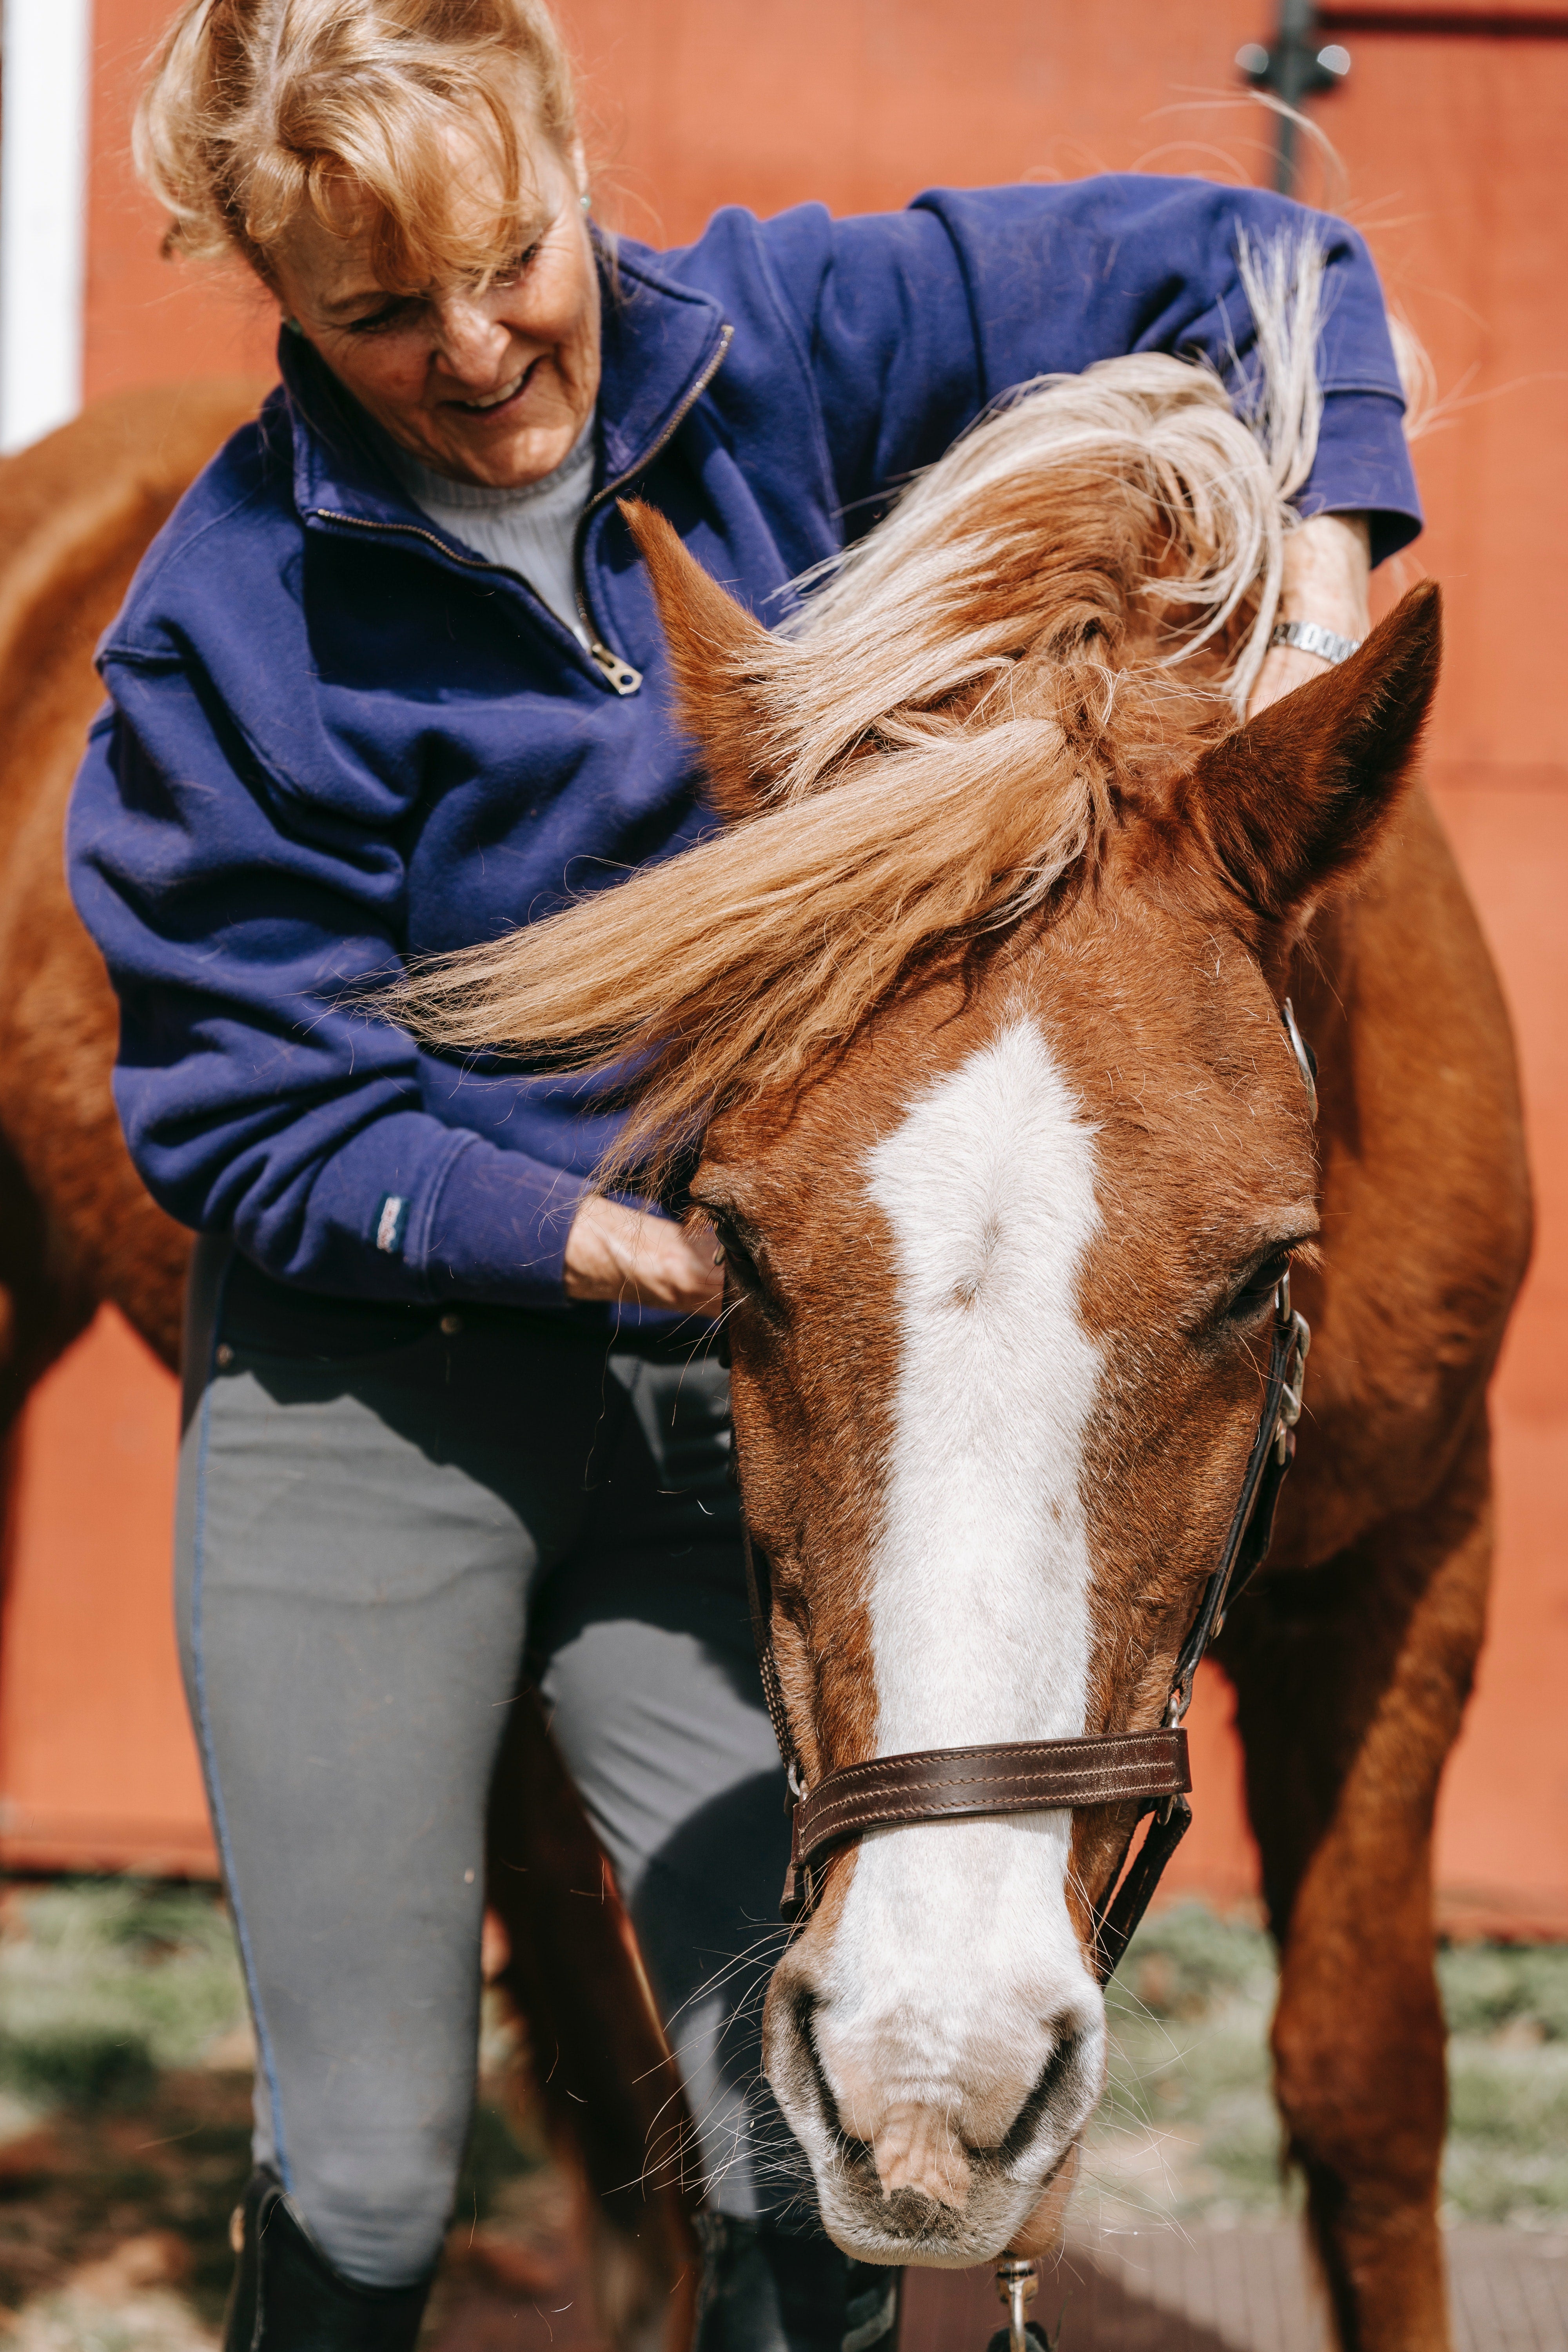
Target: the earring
pixel 585 201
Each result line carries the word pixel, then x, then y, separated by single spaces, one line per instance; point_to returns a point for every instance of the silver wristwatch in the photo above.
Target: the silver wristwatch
pixel 1311 637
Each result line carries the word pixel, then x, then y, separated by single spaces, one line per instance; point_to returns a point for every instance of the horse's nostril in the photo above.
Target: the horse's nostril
pixel 1062 2063
pixel 803 2015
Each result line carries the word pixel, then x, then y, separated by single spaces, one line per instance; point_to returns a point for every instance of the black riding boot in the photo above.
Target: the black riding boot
pixel 762 2292
pixel 287 2298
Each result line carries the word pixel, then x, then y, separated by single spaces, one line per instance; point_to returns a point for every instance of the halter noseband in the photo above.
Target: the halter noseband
pixel 1147 1769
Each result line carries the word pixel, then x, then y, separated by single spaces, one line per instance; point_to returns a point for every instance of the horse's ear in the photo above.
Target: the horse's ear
pixel 1297 800
pixel 718 655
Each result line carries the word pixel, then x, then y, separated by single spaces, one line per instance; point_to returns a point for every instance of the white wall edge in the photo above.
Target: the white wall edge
pixel 44 132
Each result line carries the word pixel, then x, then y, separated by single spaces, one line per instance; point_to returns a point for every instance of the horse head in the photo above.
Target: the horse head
pixel 973 1014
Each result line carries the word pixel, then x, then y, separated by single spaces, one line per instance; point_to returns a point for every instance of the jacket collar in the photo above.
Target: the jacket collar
pixel 658 337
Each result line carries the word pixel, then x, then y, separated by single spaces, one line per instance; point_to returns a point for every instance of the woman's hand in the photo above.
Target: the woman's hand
pixel 1328 564
pixel 624 1255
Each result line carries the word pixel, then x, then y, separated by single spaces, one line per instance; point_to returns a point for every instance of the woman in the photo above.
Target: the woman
pixel 392 680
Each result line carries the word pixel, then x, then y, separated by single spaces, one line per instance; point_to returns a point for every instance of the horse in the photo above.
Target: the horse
pixel 988 1030
pixel 79 1231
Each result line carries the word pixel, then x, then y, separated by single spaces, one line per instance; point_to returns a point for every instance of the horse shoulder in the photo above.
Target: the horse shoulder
pixel 1426 1191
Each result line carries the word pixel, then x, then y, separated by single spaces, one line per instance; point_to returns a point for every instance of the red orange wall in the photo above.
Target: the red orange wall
pixel 97 1767
pixel 1450 144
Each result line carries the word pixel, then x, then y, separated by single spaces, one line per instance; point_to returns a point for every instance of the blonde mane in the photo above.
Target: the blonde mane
pixel 1074 598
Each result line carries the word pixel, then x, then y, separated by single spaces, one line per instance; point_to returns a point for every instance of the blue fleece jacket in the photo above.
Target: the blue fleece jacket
pixel 335 738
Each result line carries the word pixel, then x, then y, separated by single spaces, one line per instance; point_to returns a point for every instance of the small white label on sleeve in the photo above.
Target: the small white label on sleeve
pixel 390 1223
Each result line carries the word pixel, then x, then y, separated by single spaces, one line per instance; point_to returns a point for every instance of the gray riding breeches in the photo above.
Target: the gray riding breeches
pixel 382 1511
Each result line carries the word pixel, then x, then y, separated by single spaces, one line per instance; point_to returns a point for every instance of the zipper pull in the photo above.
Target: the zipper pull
pixel 620 674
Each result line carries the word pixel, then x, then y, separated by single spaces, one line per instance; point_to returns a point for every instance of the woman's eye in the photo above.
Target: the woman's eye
pixel 1260 1285
pixel 395 314
pixel 517 269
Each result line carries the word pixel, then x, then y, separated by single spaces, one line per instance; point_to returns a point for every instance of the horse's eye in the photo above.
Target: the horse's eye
pixel 1260 1285
pixel 738 1258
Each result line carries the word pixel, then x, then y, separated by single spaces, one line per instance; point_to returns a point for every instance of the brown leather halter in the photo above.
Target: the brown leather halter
pixel 1145 1768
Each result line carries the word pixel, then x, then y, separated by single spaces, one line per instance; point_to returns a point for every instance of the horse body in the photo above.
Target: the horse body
pixel 975 1018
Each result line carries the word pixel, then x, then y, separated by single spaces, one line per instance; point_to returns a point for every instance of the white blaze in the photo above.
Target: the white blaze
pixel 980 1581
pixel 954 1959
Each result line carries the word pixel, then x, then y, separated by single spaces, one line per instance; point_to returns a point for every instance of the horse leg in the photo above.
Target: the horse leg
pixel 1350 1682
pixel 603 2066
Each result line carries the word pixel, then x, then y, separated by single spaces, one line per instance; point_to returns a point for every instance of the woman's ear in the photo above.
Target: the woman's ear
pixel 722 661
pixel 1297 800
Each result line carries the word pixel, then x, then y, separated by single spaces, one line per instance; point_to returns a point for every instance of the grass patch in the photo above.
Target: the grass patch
pixel 1489 1989
pixel 105 1984
pixel 1188 2129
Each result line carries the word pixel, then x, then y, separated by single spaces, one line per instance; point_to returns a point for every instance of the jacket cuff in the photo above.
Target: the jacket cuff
pixel 497 1230
pixel 1362 466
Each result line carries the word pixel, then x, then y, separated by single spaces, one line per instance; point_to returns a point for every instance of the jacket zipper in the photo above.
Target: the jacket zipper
pixel 618 673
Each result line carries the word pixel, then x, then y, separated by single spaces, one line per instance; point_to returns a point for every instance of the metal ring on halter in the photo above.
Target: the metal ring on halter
pixel 1306 1060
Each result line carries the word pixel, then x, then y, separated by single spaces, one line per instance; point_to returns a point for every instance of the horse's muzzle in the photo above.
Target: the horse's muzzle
pixel 934 2126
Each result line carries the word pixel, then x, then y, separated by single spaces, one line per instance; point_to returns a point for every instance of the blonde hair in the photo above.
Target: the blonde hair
pixel 257 110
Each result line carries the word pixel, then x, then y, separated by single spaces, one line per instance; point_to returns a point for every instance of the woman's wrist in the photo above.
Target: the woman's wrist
pixel 1327 574
pixel 1325 579
pixel 623 1256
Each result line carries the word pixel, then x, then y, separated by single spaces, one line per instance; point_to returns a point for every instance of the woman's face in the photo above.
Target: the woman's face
pixel 491 386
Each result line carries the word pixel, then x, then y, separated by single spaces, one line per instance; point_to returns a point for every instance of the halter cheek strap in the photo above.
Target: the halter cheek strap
pixel 1148 1769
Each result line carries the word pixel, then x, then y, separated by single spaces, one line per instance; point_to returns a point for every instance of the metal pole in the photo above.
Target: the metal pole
pixel 1296 66
pixel 1296 54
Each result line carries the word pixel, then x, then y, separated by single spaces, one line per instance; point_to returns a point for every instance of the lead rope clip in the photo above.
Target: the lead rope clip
pixel 1016 2284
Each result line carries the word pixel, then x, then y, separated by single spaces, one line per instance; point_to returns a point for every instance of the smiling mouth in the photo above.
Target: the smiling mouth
pixel 502 399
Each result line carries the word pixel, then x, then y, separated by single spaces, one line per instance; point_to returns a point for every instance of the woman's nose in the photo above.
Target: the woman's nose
pixel 470 342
